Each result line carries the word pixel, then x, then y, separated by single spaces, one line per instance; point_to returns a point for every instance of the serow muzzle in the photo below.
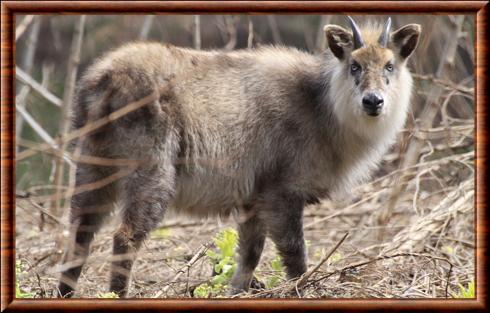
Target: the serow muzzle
pixel 372 103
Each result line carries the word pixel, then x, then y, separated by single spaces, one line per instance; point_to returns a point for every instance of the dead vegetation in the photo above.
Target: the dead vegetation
pixel 427 253
pixel 410 230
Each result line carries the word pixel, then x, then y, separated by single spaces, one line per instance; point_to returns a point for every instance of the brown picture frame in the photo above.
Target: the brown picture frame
pixel 10 8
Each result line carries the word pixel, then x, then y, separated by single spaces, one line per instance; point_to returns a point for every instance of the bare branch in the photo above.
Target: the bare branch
pixel 276 35
pixel 25 78
pixel 199 254
pixel 28 63
pixel 79 158
pixel 231 30
pixel 35 126
pixel 39 130
pixel 308 36
pixel 20 30
pixel 197 32
pixel 67 102
pixel 321 42
pixel 430 110
pixel 145 29
pixel 58 196
pixel 302 281
pixel 88 128
pixel 445 83
pixel 250 38
pixel 459 200
pixel 43 211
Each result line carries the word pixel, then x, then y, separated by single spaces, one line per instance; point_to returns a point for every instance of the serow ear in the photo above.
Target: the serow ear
pixel 339 40
pixel 405 39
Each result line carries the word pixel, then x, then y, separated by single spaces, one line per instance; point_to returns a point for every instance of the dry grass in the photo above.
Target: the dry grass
pixel 428 239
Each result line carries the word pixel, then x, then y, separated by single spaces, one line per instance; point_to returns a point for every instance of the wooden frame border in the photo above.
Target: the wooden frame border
pixel 10 8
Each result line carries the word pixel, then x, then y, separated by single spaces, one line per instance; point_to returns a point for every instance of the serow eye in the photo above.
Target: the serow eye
pixel 389 67
pixel 354 68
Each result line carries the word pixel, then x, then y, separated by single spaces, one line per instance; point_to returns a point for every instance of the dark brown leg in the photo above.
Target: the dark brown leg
pixel 251 243
pixel 148 193
pixel 88 210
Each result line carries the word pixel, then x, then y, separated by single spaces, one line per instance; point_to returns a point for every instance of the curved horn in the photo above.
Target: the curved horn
pixel 385 35
pixel 358 42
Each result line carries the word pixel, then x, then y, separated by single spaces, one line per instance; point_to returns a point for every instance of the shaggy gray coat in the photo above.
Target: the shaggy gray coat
pixel 261 132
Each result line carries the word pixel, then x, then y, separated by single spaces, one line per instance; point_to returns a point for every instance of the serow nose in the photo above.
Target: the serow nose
pixel 372 104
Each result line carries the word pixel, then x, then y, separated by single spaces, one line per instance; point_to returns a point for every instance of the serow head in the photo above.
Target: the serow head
pixel 372 61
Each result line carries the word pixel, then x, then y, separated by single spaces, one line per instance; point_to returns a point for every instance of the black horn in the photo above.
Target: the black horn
pixel 385 35
pixel 358 42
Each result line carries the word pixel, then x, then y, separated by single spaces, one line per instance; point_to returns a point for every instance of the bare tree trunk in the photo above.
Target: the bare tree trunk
pixel 65 109
pixel 197 32
pixel 145 29
pixel 231 30
pixel 308 36
pixel 276 35
pixel 321 42
pixel 250 38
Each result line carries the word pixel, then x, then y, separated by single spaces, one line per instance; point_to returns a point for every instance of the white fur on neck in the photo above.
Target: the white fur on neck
pixel 363 133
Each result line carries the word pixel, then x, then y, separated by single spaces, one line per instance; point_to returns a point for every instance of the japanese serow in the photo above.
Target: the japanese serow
pixel 261 132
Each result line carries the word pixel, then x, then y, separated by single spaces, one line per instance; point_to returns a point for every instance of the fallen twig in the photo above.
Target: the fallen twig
pixel 199 254
pixel 385 257
pixel 304 278
pixel 40 208
pixel 420 230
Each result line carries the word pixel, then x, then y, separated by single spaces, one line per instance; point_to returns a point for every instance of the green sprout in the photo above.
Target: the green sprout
pixel 108 295
pixel 466 292
pixel 224 264
pixel 278 276
pixel 19 293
